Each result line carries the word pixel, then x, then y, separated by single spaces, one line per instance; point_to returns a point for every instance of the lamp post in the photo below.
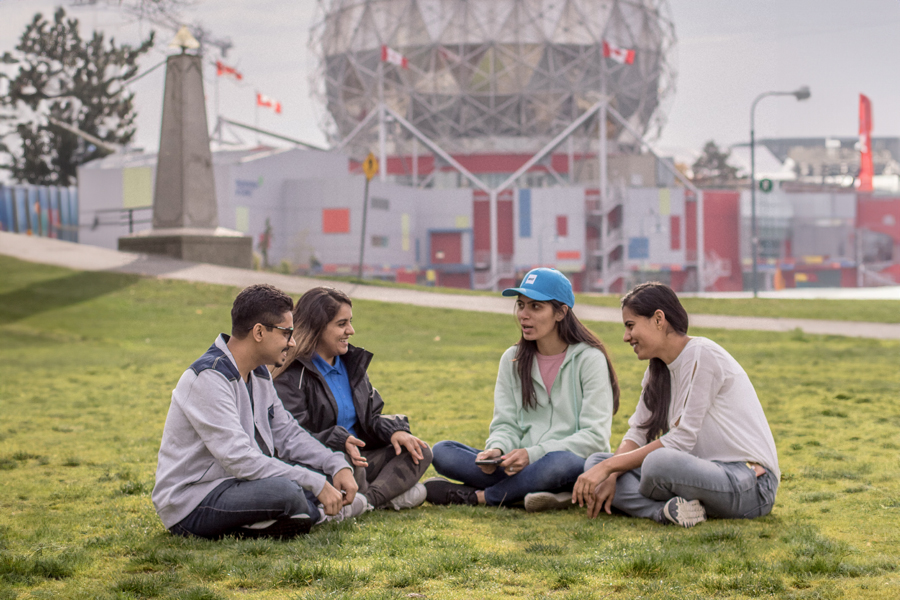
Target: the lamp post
pixel 800 94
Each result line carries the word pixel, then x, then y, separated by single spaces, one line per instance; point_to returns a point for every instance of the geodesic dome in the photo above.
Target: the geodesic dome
pixel 494 74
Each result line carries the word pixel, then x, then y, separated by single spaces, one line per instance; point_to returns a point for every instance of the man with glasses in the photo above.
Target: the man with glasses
pixel 232 460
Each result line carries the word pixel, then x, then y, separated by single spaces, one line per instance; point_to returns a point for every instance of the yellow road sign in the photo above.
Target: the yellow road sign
pixel 370 166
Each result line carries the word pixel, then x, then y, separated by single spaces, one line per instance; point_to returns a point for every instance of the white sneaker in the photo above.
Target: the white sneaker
pixel 541 501
pixel 359 505
pixel 411 498
pixel 686 513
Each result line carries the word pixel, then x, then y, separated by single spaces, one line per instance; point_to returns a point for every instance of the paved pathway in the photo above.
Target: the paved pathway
pixel 92 258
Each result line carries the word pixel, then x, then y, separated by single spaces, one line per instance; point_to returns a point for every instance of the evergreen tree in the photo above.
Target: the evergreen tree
pixel 712 167
pixel 60 75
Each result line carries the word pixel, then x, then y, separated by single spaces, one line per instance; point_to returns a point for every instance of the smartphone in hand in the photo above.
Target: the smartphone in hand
pixel 489 461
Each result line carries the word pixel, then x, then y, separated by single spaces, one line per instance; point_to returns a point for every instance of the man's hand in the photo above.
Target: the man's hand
pixel 515 461
pixel 404 439
pixel 488 455
pixel 346 485
pixel 331 499
pixel 351 447
pixel 583 491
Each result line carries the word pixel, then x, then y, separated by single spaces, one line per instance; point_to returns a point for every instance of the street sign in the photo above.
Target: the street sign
pixel 765 185
pixel 370 166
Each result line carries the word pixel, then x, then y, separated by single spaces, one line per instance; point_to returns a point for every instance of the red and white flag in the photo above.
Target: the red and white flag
pixel 620 55
pixel 390 55
pixel 866 167
pixel 266 102
pixel 223 69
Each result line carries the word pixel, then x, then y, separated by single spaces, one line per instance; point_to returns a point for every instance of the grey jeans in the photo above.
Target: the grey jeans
pixel 726 490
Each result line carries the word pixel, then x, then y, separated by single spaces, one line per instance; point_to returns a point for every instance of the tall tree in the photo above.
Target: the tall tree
pixel 712 167
pixel 62 76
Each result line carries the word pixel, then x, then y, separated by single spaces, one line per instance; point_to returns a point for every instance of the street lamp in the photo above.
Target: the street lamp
pixel 800 94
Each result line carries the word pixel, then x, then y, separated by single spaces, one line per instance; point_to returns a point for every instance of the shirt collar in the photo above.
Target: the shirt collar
pixel 324 368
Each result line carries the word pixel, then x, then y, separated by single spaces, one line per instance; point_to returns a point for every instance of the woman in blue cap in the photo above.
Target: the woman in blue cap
pixel 555 397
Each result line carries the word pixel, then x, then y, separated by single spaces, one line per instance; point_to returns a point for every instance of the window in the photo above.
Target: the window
pixel 381 204
pixel 380 241
pixel 562 226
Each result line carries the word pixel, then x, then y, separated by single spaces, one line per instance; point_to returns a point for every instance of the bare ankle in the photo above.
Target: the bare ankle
pixel 480 495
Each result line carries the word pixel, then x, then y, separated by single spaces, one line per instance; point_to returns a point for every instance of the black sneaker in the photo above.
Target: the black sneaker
pixel 279 529
pixel 441 491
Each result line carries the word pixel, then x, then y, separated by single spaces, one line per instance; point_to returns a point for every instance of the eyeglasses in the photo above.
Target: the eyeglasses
pixel 288 331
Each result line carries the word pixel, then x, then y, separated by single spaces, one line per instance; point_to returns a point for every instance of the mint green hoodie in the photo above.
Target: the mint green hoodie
pixel 576 415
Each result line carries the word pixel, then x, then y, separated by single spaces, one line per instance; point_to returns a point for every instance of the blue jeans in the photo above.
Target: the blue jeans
pixel 237 502
pixel 726 490
pixel 556 471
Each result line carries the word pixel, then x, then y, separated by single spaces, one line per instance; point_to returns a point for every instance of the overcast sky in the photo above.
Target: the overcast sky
pixel 729 51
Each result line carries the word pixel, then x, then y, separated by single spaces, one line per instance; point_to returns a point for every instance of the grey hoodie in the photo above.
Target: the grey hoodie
pixel 209 437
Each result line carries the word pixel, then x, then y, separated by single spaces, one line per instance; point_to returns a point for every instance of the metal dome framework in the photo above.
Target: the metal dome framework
pixel 494 75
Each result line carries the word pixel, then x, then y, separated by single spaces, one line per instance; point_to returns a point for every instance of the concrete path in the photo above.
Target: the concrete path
pixel 91 258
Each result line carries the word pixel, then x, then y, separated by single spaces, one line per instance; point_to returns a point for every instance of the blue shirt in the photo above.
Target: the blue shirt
pixel 339 383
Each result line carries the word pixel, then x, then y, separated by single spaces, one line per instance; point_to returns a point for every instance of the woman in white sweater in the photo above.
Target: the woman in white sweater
pixel 698 444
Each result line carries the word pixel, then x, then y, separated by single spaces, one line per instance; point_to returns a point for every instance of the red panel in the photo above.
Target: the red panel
pixel 562 226
pixel 505 227
pixel 404 276
pixel 454 280
pixel 335 220
pixel 721 226
pixel 675 231
pixel 446 248
pixel 568 255
pixel 690 230
pixel 848 277
pixel 679 278
pixel 481 225
pixel 879 214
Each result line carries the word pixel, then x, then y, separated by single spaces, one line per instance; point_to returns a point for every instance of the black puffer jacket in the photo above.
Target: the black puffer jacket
pixel 306 395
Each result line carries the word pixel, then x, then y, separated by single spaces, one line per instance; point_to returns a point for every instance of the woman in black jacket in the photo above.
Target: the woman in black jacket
pixel 324 385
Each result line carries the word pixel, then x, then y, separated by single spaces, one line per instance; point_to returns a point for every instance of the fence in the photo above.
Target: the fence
pixel 46 211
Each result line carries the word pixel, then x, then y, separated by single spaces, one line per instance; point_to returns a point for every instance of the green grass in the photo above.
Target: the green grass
pixel 88 362
pixel 869 311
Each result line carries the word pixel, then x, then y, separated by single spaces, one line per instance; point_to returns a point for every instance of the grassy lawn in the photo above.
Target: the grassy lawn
pixel 870 311
pixel 88 362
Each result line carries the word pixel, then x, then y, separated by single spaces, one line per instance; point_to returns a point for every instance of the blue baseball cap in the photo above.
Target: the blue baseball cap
pixel 544 284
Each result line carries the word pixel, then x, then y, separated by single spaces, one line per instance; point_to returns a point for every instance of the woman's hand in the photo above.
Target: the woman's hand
pixel 602 497
pixel 404 439
pixel 351 447
pixel 487 455
pixel 515 461
pixel 587 482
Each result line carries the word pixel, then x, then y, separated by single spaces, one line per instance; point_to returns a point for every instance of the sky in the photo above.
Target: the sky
pixel 729 52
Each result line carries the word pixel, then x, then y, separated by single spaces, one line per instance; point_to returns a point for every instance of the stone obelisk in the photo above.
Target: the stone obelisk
pixel 185 219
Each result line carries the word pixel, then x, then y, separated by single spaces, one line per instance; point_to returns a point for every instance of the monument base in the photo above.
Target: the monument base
pixel 217 246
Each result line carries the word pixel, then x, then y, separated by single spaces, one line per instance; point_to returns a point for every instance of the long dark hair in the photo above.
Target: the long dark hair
pixel 314 311
pixel 571 331
pixel 644 300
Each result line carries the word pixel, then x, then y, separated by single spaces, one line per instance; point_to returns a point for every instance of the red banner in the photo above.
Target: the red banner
pixel 866 167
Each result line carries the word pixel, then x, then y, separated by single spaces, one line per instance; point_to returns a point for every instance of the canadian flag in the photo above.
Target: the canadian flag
pixel 223 69
pixel 266 102
pixel 620 55
pixel 392 56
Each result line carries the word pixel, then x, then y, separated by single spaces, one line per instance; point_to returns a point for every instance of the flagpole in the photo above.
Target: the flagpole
pixel 382 133
pixel 604 182
pixel 256 119
pixel 218 113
